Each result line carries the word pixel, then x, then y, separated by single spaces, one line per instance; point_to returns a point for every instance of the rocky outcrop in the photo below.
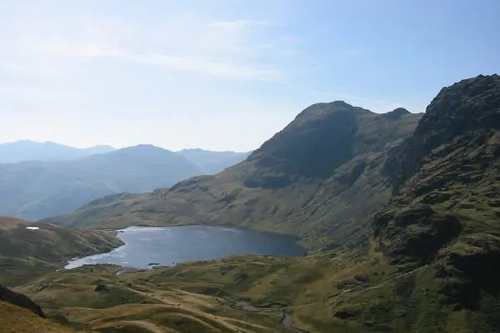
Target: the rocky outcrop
pixel 445 209
pixel 444 173
pixel 415 233
pixel 470 270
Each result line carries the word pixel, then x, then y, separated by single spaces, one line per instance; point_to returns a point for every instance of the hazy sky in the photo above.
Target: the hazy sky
pixel 225 74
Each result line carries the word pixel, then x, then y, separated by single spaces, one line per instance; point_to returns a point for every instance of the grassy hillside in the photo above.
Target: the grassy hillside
pixel 25 252
pixel 97 299
pixel 340 292
pixel 320 178
pixel 36 190
pixel 14 319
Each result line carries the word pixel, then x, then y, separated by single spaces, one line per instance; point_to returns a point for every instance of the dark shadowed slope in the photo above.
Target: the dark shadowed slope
pixel 36 190
pixel 25 150
pixel 446 211
pixel 17 299
pixel 212 162
pixel 15 319
pixel 319 178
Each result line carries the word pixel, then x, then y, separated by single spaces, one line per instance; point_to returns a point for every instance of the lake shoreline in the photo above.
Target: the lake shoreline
pixel 169 246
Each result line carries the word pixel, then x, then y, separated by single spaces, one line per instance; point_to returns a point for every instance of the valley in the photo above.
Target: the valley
pixel 323 174
pixel 399 212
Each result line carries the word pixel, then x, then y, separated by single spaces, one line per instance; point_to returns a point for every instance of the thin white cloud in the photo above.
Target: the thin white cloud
pixel 238 49
pixel 203 66
pixel 66 49
pixel 178 63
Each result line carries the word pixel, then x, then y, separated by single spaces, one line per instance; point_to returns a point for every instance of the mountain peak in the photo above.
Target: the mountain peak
pixel 320 139
pixel 324 109
pixel 396 113
pixel 143 148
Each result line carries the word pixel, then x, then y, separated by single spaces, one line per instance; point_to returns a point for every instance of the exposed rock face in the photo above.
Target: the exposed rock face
pixel 470 269
pixel 465 115
pixel 445 210
pixel 417 232
pixel 21 300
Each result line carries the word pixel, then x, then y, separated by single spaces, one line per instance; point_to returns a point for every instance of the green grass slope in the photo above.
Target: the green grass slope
pixel 25 253
pixel 320 178
pixel 15 319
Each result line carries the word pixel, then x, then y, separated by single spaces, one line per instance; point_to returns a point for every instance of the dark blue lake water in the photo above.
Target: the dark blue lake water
pixel 169 246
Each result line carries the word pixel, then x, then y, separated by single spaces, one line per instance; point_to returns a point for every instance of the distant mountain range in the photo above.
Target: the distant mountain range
pixel 20 151
pixel 209 162
pixel 60 181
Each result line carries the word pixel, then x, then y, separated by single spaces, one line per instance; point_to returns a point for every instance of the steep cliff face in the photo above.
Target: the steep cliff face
pixel 446 208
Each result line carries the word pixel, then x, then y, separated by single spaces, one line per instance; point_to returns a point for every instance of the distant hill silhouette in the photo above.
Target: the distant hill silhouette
pixel 25 150
pixel 36 189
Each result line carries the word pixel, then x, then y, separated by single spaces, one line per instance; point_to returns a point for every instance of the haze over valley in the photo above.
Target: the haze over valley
pixel 51 179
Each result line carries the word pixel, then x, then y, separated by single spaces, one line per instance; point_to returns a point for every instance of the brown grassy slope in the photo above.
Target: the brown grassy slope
pixel 340 292
pixel 24 252
pixel 10 296
pixel 127 303
pixel 14 319
pixel 320 178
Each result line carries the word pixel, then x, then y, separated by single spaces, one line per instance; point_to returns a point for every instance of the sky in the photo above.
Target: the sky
pixel 225 74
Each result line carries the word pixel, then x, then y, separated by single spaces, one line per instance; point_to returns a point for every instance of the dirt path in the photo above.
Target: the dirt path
pixel 190 303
